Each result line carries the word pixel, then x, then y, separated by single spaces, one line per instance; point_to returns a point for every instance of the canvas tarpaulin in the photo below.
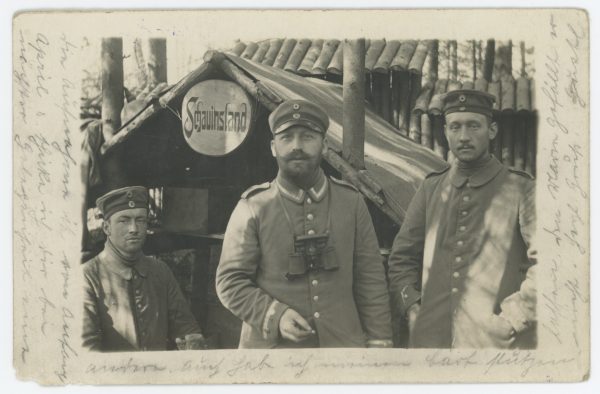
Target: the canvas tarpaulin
pixel 396 163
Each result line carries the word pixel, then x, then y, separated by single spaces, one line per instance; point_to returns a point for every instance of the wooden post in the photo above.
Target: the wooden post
pixel 520 141
pixel 440 145
pixel 157 63
pixel 531 145
pixel 474 60
pixel 493 88
pixel 507 123
pixel 453 60
pixel 488 62
pixel 354 107
pixel 434 62
pixel 297 55
pixel 284 53
pixel 112 104
pixel 419 110
pixel 402 106
pixel 502 62
pixel 271 55
pixel 426 132
pixel 386 97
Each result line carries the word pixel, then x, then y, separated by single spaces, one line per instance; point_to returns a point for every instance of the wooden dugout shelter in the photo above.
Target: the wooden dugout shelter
pixel 193 194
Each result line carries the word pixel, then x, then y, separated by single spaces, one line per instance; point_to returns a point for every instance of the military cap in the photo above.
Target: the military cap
pixel 121 199
pixel 468 100
pixel 298 112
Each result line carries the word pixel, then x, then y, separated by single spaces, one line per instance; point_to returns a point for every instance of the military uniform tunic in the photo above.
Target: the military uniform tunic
pixel 132 306
pixel 346 302
pixel 465 251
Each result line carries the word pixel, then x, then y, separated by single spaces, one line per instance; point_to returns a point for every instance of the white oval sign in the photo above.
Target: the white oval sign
pixel 216 117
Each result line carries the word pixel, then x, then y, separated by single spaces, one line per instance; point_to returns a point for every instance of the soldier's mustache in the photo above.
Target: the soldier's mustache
pixel 297 155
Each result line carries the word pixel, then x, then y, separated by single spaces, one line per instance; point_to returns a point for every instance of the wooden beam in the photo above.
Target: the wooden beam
pixel 354 102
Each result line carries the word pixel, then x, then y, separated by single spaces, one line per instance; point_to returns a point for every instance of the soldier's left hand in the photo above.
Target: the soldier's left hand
pixel 501 332
pixel 192 342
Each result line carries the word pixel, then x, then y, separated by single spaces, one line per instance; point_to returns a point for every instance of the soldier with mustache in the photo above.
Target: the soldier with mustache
pixel 300 264
pixel 462 267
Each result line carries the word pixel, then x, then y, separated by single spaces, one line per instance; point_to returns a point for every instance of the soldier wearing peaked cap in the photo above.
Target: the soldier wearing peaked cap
pixel 132 302
pixel 462 266
pixel 300 263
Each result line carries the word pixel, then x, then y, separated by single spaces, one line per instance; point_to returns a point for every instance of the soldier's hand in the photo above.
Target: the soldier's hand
pixel 294 327
pixel 501 332
pixel 192 342
pixel 412 314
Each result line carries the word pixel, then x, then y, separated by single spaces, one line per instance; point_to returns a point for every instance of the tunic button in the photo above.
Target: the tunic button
pixel 315 282
pixel 311 232
pixel 316 298
pixel 460 243
pixel 456 274
pixel 139 306
pixel 458 259
pixel 317 315
pixel 462 228
pixel 454 290
pixel 310 216
pixel 308 201
pixel 137 292
pixel 466 198
pixel 464 213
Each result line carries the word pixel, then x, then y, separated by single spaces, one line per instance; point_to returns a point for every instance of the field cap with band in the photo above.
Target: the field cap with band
pixel 468 100
pixel 121 199
pixel 298 113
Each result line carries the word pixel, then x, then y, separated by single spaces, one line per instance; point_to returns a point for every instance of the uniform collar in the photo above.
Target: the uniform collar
pixel 479 178
pixel 119 265
pixel 296 194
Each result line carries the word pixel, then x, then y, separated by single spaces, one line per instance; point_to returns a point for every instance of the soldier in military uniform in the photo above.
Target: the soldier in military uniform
pixel 300 264
pixel 462 266
pixel 132 302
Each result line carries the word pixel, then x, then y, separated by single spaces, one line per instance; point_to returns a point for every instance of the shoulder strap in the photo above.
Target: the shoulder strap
pixel 435 173
pixel 343 183
pixel 255 189
pixel 522 173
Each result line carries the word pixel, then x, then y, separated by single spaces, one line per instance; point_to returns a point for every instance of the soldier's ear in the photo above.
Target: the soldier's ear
pixel 106 226
pixel 273 147
pixel 325 145
pixel 493 130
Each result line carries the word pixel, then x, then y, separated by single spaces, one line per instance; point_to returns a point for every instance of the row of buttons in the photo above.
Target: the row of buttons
pixel 315 298
pixel 460 243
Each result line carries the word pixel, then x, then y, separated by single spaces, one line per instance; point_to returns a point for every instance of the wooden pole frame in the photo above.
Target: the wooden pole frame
pixel 353 124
